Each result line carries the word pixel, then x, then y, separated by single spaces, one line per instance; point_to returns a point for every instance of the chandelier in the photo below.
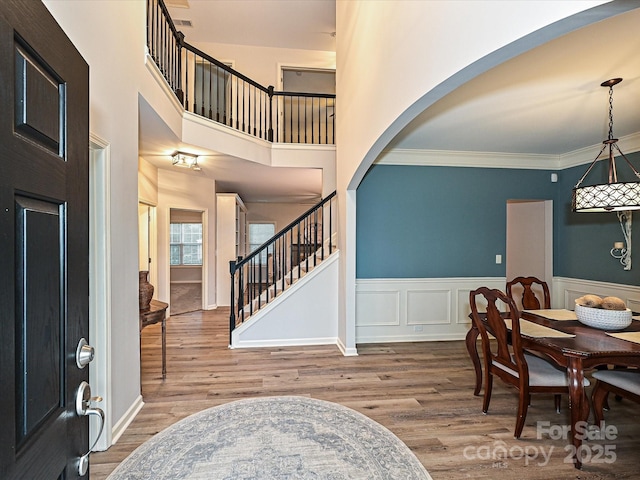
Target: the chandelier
pixel 612 196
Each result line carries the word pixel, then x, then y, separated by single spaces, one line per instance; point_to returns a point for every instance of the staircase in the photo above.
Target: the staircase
pixel 263 296
pixel 283 261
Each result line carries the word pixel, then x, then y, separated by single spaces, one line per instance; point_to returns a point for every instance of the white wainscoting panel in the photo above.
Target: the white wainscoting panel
pixel 380 308
pixel 421 309
pixel 418 309
pixel 428 307
pixel 566 290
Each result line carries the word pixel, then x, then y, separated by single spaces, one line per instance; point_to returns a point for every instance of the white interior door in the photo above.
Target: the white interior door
pixel 530 239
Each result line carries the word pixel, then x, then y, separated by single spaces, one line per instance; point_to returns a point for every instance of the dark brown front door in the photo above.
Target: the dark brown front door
pixel 44 293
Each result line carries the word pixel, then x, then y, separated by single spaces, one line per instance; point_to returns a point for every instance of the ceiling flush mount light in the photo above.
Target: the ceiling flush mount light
pixel 186 160
pixel 612 196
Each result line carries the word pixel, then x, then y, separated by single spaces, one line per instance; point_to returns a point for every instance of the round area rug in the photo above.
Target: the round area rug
pixel 273 438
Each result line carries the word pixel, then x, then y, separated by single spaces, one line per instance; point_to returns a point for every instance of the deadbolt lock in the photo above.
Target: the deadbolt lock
pixel 84 353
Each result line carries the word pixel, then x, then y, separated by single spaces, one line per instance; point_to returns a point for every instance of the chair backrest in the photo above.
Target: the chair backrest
pixel 534 292
pixel 507 349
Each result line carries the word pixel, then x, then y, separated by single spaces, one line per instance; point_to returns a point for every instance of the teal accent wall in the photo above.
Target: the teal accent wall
pixel 422 222
pixel 583 241
pixel 440 222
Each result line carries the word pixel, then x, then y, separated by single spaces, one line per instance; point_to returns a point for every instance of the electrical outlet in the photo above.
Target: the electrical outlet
pixel 417 328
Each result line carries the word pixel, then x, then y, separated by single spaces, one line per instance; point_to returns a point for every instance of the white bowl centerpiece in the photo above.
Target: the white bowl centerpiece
pixel 609 313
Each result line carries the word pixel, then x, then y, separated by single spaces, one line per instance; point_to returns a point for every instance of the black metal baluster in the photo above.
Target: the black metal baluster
pixel 259 286
pixel 322 231
pixel 326 120
pixel 314 229
pixel 260 110
pixel 210 92
pixel 290 137
pixel 306 104
pixel 186 81
pixel 224 101
pixel 237 104
pixel 313 127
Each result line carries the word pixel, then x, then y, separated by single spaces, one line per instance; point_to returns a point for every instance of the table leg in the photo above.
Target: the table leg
pixel 164 347
pixel 578 406
pixel 472 348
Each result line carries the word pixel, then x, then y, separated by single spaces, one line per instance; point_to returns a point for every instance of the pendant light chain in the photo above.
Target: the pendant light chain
pixel 610 112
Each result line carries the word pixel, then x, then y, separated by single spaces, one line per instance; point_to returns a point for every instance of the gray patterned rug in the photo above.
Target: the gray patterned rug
pixel 273 438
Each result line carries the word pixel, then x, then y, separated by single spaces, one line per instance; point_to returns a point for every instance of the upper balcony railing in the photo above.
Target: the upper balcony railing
pixel 210 88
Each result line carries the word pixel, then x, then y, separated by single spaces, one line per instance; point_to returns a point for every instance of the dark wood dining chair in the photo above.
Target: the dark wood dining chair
pixel 622 382
pixel 530 292
pixel 505 357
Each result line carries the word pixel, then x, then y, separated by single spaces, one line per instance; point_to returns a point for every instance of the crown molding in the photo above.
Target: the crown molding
pixel 628 144
pixel 453 158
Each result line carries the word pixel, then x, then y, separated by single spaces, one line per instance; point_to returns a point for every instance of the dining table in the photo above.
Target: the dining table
pixel 576 347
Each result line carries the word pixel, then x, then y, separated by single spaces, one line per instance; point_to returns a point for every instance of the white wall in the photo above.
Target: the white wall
pixel 306 314
pixel 94 26
pixel 187 191
pixel 147 182
pixel 280 213
pixel 263 64
pixel 406 55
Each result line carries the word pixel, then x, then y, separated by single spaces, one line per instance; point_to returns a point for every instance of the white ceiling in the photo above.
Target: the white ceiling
pixel 252 181
pixel 547 101
pixel 299 24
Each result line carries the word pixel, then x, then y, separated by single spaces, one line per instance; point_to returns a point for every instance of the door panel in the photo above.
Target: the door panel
pixel 39 319
pixel 44 294
pixel 38 101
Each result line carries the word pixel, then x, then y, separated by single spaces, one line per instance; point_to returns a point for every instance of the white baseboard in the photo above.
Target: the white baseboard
pixel 124 421
pixel 347 352
pixel 285 342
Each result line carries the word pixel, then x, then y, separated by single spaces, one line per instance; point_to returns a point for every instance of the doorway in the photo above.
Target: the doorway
pixel 147 240
pixel 306 118
pixel 530 239
pixel 186 261
pixel 100 285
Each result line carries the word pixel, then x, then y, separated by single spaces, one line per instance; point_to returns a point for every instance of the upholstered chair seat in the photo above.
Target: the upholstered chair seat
pixel 622 382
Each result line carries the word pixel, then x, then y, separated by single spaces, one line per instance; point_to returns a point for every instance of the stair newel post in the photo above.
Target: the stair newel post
pixel 240 295
pixel 270 131
pixel 232 316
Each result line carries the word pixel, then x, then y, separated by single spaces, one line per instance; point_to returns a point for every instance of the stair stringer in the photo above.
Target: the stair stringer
pixel 306 313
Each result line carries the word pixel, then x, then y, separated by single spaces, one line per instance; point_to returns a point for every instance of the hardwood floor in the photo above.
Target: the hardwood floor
pixel 423 392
